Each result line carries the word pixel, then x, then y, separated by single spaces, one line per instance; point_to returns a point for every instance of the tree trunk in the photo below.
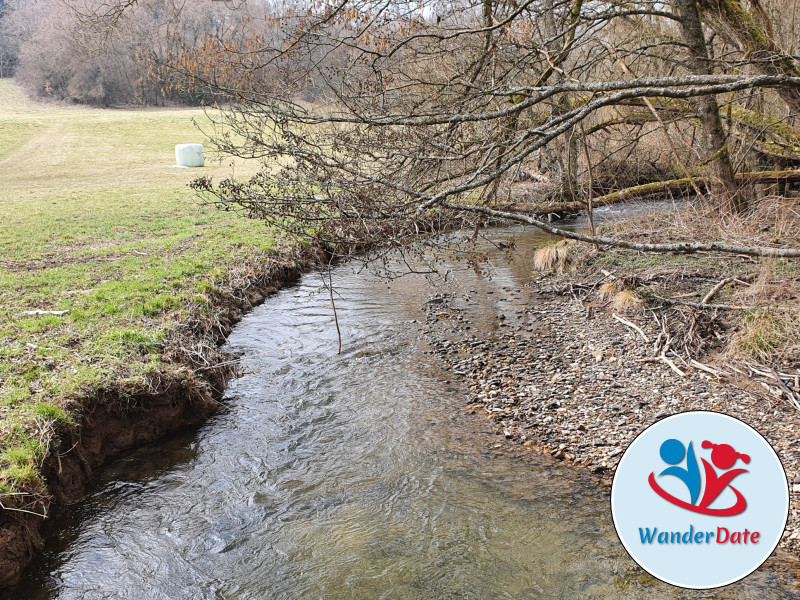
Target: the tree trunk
pixel 723 187
pixel 756 41
pixel 561 162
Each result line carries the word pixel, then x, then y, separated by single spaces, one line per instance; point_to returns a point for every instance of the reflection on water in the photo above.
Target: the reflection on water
pixel 351 476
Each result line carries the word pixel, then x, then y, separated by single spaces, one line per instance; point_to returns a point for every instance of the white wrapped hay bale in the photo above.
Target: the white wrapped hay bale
pixel 189 155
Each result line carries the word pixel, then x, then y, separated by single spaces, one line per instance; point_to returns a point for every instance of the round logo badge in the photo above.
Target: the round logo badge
pixel 700 500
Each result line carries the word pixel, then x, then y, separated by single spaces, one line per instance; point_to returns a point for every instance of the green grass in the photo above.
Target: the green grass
pixel 768 335
pixel 96 222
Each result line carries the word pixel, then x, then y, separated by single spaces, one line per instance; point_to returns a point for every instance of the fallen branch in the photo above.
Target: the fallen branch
pixel 678 247
pixel 716 289
pixel 683 185
pixel 698 365
pixel 631 325
pixel 34 313
pixel 722 284
pixel 696 305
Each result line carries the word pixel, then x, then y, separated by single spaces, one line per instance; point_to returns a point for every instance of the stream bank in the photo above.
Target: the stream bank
pixel 125 416
pixel 359 474
pixel 573 372
pixel 355 474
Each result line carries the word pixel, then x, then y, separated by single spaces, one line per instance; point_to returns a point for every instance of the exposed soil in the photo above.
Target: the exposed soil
pixel 559 374
pixel 120 419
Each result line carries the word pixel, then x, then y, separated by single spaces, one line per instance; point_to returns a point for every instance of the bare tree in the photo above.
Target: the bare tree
pixel 102 53
pixel 716 145
pixel 430 110
pixel 432 103
pixel 9 39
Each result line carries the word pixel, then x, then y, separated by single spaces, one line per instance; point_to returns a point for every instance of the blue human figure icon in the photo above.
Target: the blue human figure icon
pixel 672 452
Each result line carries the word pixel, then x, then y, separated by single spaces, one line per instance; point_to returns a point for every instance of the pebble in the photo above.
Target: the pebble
pixel 573 387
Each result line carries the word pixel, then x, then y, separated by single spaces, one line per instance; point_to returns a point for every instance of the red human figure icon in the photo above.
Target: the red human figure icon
pixel 724 457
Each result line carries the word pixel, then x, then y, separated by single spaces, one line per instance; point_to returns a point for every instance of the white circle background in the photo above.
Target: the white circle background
pixel 635 505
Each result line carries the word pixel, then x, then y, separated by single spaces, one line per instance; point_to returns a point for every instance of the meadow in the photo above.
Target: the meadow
pixel 96 221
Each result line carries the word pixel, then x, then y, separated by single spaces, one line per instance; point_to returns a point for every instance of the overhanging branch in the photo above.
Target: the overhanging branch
pixel 679 247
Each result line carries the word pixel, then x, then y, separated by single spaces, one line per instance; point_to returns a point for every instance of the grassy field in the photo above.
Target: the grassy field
pixel 96 222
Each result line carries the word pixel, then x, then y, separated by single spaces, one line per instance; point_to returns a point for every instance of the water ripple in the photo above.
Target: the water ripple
pixel 349 476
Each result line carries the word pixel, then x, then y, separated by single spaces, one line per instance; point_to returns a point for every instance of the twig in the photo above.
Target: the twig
pixel 631 325
pixel 773 372
pixel 333 305
pixel 22 510
pixel 715 289
pixel 711 306
pixel 679 357
pixel 722 284
pixel 740 372
pixel 663 357
pixel 790 395
pixel 34 313
pixel 672 365
pixel 657 344
pixel 574 297
pixel 698 365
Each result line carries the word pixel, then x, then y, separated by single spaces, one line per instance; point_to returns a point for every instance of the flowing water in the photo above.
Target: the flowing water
pixel 356 475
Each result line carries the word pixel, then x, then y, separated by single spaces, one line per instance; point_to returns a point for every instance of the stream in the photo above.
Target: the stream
pixel 357 475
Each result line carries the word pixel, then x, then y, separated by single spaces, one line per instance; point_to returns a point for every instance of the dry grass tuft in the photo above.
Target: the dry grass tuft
pixel 772 286
pixel 773 220
pixel 552 257
pixel 608 290
pixel 769 336
pixel 625 300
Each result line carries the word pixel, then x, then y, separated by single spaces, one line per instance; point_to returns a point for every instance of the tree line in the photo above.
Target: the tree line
pixel 371 117
pixel 102 53
pixel 439 107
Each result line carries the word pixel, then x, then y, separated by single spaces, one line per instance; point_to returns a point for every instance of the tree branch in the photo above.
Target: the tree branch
pixel 678 247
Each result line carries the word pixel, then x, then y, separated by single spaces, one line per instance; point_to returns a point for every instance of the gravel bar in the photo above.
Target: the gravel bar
pixel 580 388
